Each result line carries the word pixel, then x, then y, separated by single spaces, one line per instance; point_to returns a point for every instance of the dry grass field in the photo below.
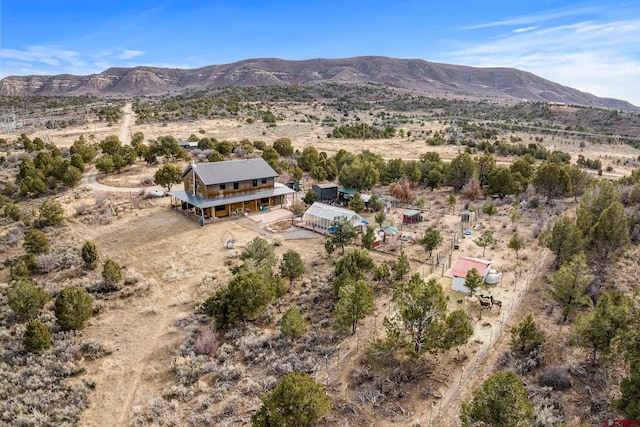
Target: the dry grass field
pixel 152 369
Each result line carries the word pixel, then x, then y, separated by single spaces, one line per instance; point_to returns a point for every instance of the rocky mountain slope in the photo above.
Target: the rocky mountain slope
pixel 428 78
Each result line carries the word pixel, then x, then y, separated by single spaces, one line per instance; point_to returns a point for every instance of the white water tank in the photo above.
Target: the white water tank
pixel 493 277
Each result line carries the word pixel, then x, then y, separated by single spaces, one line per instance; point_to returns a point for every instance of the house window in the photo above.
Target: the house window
pixel 236 185
pixel 264 180
pixel 254 183
pixel 264 200
pixel 221 208
pixel 223 187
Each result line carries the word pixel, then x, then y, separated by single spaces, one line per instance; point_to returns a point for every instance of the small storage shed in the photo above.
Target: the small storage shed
pixel 188 145
pixel 322 216
pixel 411 217
pixel 462 266
pixel 346 193
pixel 326 192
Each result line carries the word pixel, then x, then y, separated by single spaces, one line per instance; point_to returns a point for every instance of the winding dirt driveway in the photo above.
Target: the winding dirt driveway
pixel 90 178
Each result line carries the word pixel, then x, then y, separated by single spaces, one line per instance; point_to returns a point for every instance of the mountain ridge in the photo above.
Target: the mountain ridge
pixel 423 77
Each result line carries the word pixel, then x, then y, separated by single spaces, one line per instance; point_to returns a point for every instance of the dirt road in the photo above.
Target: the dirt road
pixel 90 179
pixel 125 127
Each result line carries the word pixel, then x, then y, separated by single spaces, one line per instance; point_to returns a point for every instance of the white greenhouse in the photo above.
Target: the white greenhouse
pixel 321 216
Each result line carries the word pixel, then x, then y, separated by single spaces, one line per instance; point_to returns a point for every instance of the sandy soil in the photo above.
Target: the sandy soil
pixel 172 254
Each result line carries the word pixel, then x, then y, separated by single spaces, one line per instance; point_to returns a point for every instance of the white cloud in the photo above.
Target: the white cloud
pixel 36 60
pixel 43 54
pixel 597 57
pixel 524 30
pixel 534 18
pixel 129 54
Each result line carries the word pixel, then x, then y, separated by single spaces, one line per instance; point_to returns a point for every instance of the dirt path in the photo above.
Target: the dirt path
pixel 125 131
pixel 90 178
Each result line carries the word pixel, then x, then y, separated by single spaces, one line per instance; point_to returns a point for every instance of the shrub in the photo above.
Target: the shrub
pixel 207 342
pixel 51 212
pixel 297 401
pixel 46 263
pixel 12 211
pixel 36 242
pixel 82 209
pixel 248 294
pixel 500 401
pixel 111 272
pixel 74 306
pixel 555 377
pixel 36 336
pixel 25 298
pixel 292 323
pixel 90 254
pixel 19 270
pixel 92 350
pixel 526 336
pixel 14 236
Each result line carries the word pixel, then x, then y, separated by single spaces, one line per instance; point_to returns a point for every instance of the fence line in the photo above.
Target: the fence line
pixel 453 393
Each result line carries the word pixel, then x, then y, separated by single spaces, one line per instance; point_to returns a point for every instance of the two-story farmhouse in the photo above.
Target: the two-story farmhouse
pixel 221 189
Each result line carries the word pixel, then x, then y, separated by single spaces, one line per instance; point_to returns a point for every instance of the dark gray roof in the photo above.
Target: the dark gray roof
pixel 232 171
pixel 279 190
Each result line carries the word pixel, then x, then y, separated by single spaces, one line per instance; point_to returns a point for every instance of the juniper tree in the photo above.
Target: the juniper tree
pixel 73 307
pixel 569 284
pixel 500 401
pixel 111 272
pixel 516 243
pixel 297 401
pixel 51 212
pixel 380 218
pixel 356 203
pixel 473 281
pixel 25 298
pixel 564 239
pixel 490 209
pixel 168 175
pixel 343 233
pixel 485 239
pixel 430 240
pixel 422 320
pixel 355 301
pixel 90 254
pixel 597 330
pixel 526 335
pixel 36 336
pixel 368 237
pixel 291 266
pixel 36 242
pixel 247 295
pixel 292 323
pixel 401 267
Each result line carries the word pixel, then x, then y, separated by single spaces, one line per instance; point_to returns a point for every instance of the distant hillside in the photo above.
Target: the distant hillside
pixel 427 78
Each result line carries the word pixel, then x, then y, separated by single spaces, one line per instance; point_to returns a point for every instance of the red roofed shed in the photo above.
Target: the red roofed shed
pixel 462 266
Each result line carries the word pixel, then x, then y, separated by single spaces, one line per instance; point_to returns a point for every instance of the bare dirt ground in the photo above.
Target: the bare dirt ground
pixel 172 255
pixel 168 255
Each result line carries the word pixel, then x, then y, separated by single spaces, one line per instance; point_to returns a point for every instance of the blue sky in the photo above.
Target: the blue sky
pixel 593 46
